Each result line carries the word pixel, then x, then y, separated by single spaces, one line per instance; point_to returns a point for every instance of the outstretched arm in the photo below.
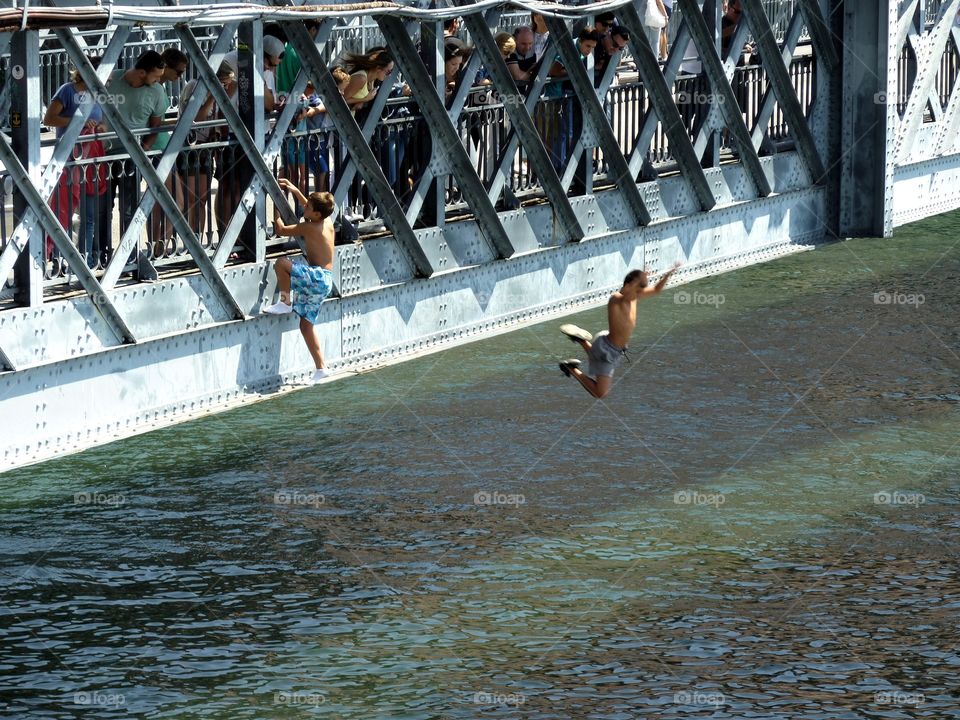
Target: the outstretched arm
pixel 284 230
pixel 288 186
pixel 662 283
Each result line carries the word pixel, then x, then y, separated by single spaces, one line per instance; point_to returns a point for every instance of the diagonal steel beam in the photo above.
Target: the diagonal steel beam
pixel 62 153
pixel 734 50
pixel 501 175
pixel 779 80
pixel 907 22
pixel 729 107
pixel 927 68
pixel 523 126
pixel 52 226
pixel 444 134
pixel 790 39
pixel 131 143
pixel 651 121
pixel 262 171
pixel 820 34
pixel 580 147
pixel 593 113
pixel 357 145
pixel 166 163
pixel 920 45
pixel 5 362
pixel 661 101
pixel 342 183
pixel 456 107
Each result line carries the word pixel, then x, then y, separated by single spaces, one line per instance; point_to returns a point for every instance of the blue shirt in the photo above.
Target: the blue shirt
pixel 71 99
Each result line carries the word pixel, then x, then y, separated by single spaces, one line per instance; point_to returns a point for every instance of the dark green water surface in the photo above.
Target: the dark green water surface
pixel 760 522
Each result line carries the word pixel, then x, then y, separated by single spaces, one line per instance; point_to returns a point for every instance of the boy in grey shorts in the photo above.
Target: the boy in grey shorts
pixel 607 349
pixel 603 355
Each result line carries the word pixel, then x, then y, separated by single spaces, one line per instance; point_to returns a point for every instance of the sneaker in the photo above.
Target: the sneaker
pixel 567 365
pixel 280 308
pixel 576 333
pixel 320 374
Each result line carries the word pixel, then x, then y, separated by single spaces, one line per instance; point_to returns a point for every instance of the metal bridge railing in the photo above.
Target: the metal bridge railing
pixel 410 163
pixel 399 145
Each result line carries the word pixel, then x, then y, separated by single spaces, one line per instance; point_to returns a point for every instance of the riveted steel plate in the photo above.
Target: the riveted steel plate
pixel 203 368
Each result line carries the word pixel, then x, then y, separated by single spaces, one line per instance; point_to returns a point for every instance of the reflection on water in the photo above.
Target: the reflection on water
pixel 760 522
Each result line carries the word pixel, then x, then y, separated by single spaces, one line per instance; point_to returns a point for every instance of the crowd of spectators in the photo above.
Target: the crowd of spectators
pixel 207 182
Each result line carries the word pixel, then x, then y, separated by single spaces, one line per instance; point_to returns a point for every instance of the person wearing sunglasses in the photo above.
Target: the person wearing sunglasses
pixel 610 44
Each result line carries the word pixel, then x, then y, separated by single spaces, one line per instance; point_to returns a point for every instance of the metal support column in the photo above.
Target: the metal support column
pixel 25 104
pixel 250 91
pixel 868 119
pixel 432 46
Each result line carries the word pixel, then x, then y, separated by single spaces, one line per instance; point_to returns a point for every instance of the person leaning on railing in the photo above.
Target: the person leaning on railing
pixel 522 62
pixel 161 232
pixel 140 106
pixel 79 188
pixel 571 119
pixel 195 165
pixel 613 42
pixel 367 71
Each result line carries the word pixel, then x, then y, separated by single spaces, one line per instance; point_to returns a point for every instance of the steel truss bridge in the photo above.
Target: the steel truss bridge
pixel 502 214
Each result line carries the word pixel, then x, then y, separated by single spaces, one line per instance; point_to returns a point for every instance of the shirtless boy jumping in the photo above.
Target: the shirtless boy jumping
pixel 305 283
pixel 608 348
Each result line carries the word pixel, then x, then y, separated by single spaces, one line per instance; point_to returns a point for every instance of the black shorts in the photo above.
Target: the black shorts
pixel 227 161
pixel 195 162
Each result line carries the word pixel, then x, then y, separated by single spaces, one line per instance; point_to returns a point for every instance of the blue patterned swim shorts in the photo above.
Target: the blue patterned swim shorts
pixel 310 285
